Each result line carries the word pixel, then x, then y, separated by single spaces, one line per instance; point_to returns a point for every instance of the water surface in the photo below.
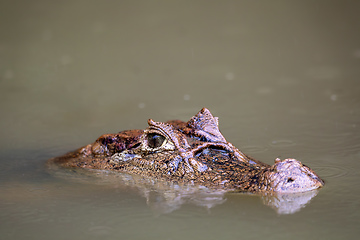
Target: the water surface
pixel 283 78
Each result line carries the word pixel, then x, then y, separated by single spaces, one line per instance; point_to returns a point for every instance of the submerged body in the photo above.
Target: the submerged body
pixel 192 152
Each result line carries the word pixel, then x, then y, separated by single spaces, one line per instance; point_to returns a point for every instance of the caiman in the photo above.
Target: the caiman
pixel 193 152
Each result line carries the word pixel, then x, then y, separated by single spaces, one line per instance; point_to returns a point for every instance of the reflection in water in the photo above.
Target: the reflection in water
pixel 165 197
pixel 172 197
pixel 288 203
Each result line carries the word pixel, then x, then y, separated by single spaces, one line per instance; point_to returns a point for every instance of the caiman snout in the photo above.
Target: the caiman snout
pixel 290 175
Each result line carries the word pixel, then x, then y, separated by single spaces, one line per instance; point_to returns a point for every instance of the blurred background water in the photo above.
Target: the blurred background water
pixel 282 76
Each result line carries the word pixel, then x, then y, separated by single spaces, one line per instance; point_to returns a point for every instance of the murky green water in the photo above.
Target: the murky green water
pixel 282 76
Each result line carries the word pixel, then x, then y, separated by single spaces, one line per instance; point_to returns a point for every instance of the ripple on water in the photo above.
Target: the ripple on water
pixel 332 171
pixel 100 230
pixel 282 143
pixel 338 142
pixel 327 133
pixel 249 149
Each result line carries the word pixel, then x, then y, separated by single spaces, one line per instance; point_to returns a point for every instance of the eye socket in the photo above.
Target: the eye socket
pixel 155 140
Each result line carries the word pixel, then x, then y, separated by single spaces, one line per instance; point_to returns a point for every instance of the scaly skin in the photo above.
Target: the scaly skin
pixel 194 152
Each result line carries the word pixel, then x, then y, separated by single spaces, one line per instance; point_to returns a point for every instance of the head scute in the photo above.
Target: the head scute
pixel 206 125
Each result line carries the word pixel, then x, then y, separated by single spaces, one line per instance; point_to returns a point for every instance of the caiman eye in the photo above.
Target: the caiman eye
pixel 155 140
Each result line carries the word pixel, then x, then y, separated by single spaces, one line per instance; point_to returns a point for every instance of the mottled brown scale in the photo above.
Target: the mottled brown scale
pixel 193 152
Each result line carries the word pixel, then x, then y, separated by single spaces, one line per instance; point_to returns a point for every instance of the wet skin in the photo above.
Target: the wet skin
pixel 193 152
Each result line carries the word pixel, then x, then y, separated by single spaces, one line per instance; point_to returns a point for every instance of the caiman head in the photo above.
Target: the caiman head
pixel 171 149
pixel 194 152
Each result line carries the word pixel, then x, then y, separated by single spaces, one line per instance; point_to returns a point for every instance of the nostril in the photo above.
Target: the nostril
pixel 289 180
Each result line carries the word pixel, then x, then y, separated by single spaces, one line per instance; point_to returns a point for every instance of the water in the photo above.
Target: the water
pixel 283 78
